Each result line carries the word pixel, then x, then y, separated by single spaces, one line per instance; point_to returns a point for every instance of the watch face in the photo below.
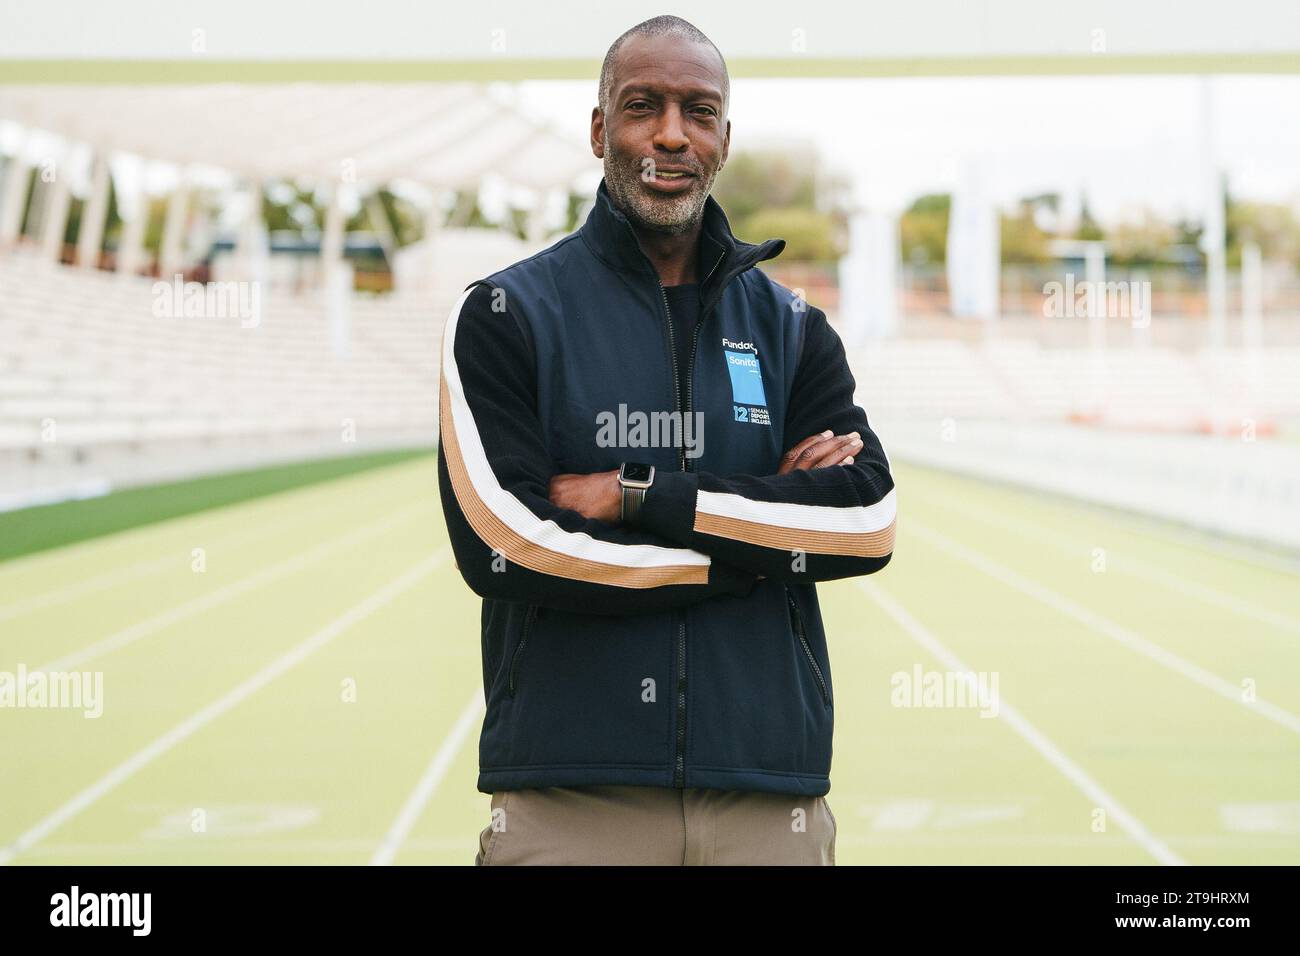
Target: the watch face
pixel 634 471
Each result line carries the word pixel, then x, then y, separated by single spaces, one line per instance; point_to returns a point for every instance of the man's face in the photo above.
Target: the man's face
pixel 663 137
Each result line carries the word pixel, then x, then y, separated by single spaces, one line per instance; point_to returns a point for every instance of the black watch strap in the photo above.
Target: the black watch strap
pixel 633 499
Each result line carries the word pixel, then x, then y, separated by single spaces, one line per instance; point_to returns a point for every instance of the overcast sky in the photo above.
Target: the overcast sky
pixel 1129 141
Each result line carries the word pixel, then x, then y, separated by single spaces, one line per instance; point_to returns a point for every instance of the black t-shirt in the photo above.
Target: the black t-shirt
pixel 684 311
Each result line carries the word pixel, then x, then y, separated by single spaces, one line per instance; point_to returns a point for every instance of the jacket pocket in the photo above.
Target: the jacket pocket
pixel 796 625
pixel 530 617
pixel 491 648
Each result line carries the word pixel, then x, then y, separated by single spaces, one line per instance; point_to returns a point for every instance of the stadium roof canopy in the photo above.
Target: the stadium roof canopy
pixel 332 41
pixel 404 92
pixel 439 134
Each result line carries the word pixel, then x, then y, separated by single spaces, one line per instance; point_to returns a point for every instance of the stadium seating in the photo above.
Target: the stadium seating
pixel 95 388
pixel 96 391
pixel 1152 388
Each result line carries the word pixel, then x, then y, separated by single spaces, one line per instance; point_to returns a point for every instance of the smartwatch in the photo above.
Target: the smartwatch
pixel 635 478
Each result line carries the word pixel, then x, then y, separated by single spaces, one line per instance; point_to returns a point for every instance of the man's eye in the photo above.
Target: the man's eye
pixel 704 110
pixel 638 105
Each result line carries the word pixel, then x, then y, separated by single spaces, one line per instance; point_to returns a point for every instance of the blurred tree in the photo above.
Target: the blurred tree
pixel 1046 208
pixel 405 220
pixel 1187 232
pixel 1274 227
pixel 573 216
pixel 924 229
pixel 1022 240
pixel 466 212
pixel 33 184
pixel 760 180
pixel 517 222
pixel 1088 226
pixel 1144 243
pixel 774 194
pixel 156 213
pixel 75 206
pixel 291 207
pixel 113 220
pixel 810 236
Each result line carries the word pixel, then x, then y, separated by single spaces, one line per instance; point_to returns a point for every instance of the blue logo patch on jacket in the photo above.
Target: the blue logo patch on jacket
pixel 746 378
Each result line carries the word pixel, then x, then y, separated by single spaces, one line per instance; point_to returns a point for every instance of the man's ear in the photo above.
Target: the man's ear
pixel 597 132
pixel 726 146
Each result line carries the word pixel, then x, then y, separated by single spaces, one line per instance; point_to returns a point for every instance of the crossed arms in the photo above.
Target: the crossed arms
pixel 520 532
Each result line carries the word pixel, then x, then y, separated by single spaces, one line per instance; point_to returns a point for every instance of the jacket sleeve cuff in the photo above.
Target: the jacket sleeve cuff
pixel 669 507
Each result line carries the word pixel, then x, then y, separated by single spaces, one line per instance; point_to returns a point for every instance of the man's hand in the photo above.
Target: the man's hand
pixel 820 451
pixel 597 495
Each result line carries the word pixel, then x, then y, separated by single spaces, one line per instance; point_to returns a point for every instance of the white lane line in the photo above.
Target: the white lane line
pixel 205 602
pixel 1166 531
pixel 1103 625
pixel 429 781
pixel 179 559
pixel 1205 593
pixel 191 725
pixel 1036 739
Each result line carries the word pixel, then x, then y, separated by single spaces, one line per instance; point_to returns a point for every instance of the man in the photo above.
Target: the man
pixel 613 417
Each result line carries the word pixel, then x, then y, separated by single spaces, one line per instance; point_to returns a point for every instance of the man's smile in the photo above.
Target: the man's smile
pixel 669 179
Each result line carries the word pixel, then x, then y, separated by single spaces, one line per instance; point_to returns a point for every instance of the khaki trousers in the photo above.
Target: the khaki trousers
pixel 656 826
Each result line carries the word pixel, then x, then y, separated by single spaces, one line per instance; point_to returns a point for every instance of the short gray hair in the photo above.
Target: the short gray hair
pixel 661 26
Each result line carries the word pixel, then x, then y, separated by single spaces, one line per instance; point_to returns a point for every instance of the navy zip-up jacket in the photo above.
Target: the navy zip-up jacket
pixel 688 651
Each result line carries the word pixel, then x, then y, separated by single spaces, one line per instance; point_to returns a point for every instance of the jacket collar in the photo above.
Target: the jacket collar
pixel 610 237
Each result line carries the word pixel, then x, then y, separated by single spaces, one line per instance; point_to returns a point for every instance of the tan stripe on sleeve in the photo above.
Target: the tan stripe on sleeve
pixel 506 541
pixel 874 544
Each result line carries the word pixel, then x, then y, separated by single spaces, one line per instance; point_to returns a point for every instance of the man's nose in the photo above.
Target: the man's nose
pixel 671 134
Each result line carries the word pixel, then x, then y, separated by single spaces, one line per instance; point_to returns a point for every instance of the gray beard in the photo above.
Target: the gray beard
pixel 669 215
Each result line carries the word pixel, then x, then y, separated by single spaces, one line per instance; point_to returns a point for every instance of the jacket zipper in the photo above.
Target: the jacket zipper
pixel 796 619
pixel 672 355
pixel 529 617
pixel 690 366
pixel 679 767
pixel 679 763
